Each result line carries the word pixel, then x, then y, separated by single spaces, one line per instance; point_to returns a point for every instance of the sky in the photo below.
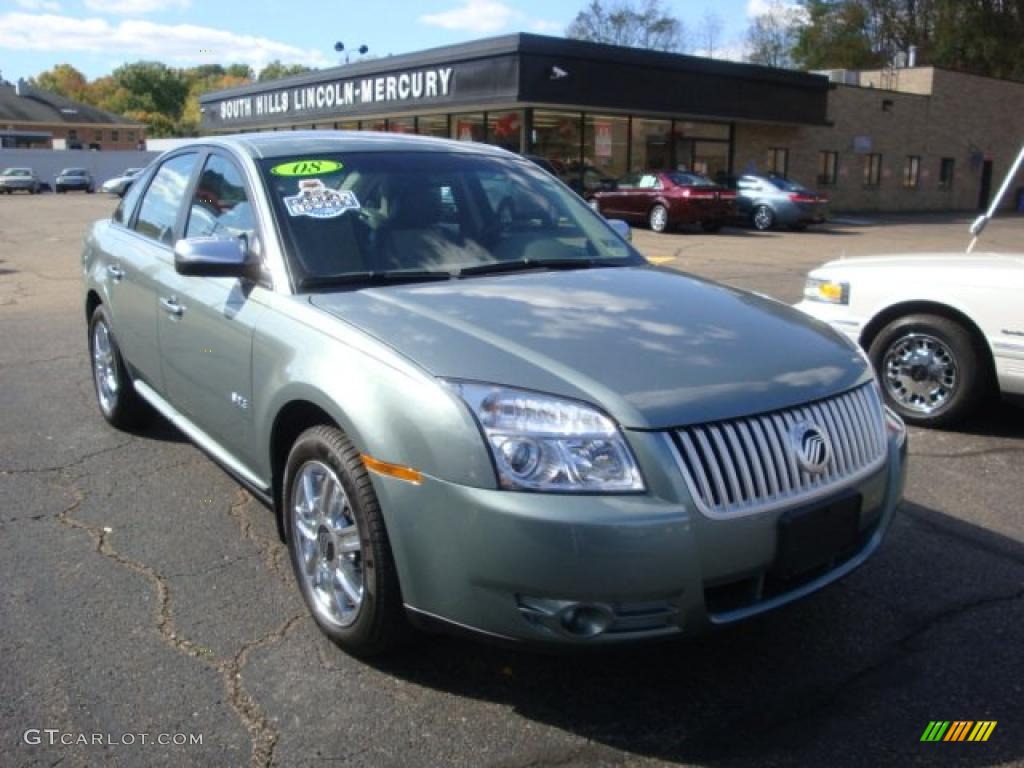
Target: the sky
pixel 96 36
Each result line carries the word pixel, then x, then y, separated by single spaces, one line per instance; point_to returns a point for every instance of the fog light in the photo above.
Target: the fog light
pixel 586 620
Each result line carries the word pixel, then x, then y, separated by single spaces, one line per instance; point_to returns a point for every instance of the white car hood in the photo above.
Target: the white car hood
pixel 952 262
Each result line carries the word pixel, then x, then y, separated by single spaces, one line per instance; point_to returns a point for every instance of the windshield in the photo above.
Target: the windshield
pixel 431 214
pixel 690 179
pixel 16 172
pixel 73 172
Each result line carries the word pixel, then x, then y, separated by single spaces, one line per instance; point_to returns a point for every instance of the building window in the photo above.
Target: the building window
pixel 605 139
pixel 872 170
pixel 130 135
pixel 777 162
pixel 97 135
pixel 72 134
pixel 650 145
pixel 402 125
pixel 557 137
pixel 946 173
pixel 114 135
pixel 828 167
pixel 504 128
pixel 468 127
pixel 433 125
pixel 911 172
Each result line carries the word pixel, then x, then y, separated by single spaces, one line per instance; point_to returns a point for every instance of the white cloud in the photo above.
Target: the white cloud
pixel 481 16
pixel 178 43
pixel 488 16
pixel 763 7
pixel 39 5
pixel 132 7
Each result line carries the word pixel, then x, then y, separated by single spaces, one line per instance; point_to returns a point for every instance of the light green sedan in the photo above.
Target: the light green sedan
pixel 482 414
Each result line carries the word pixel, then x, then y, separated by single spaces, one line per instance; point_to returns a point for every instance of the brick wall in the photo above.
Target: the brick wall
pixel 965 118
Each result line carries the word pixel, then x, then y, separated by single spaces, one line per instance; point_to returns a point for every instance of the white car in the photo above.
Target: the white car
pixel 943 330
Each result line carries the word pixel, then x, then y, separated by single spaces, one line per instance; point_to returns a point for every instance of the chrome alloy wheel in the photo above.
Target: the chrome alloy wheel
pixel 327 544
pixel 763 218
pixel 920 373
pixel 659 218
pixel 104 367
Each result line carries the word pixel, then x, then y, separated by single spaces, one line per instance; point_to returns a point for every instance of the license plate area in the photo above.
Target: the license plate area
pixel 812 536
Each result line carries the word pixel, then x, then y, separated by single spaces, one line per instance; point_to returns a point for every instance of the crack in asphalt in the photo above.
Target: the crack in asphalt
pixel 41 361
pixel 65 467
pixel 271 549
pixel 263 736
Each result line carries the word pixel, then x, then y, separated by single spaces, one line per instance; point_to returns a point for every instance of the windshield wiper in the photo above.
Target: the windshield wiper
pixel 524 264
pixel 389 276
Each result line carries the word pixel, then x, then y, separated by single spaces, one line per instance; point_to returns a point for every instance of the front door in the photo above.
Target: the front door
pixel 207 323
pixel 985 192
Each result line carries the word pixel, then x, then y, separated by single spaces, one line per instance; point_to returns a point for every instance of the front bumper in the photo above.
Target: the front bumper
pixel 511 565
pixel 74 183
pixel 18 185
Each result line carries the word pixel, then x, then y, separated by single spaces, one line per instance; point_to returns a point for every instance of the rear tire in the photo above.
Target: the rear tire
pixel 118 401
pixel 658 218
pixel 763 218
pixel 930 368
pixel 339 546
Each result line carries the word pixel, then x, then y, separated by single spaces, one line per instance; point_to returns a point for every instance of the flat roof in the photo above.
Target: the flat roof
pixel 526 69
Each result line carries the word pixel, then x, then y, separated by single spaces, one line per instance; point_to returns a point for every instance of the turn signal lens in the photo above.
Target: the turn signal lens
pixel 828 291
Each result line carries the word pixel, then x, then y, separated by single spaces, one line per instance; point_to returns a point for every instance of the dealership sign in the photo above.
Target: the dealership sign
pixel 331 96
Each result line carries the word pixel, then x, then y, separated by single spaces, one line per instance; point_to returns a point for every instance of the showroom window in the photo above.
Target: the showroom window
pixel 347 125
pixel 433 125
pixel 828 167
pixel 605 142
pixel 946 166
pixel 872 170
pixel 504 129
pixel 468 127
pixel 911 172
pixel 402 125
pixel 650 147
pixel 556 136
pixel 374 125
pixel 777 161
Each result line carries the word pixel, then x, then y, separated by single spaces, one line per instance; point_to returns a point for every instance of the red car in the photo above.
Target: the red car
pixel 667 199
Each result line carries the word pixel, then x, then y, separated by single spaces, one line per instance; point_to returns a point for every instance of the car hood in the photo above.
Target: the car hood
pixel 655 348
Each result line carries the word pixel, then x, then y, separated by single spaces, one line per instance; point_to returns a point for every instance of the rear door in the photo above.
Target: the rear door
pixel 206 324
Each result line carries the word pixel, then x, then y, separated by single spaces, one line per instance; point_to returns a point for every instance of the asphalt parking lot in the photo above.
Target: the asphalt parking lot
pixel 145 592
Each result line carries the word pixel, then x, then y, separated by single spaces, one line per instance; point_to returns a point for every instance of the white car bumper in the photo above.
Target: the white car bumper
pixel 836 315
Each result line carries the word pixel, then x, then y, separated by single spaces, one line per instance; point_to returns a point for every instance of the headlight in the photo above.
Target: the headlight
pixel 545 443
pixel 828 291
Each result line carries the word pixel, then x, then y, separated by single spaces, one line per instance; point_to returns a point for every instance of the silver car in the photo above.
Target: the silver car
pixel 20 180
pixel 482 419
pixel 773 201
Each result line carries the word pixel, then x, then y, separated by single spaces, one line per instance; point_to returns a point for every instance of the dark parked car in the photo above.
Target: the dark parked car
pixel 667 199
pixel 769 201
pixel 75 178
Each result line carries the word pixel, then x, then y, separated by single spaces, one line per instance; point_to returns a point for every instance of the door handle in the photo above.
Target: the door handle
pixel 172 306
pixel 115 272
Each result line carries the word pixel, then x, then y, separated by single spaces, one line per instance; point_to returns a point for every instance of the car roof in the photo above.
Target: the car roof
pixel 291 143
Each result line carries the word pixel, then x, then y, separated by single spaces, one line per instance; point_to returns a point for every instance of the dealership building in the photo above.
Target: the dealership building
pixel 915 138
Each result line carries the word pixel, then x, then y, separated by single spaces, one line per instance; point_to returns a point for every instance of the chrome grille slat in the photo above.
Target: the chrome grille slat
pixel 749 464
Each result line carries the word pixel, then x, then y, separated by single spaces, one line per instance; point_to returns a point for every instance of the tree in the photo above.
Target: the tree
pixel 772 35
pixel 275 70
pixel 63 79
pixel 646 24
pixel 709 34
pixel 838 34
pixel 153 87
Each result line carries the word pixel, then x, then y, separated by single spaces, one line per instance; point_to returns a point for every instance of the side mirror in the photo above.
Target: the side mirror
pixel 212 257
pixel 621 229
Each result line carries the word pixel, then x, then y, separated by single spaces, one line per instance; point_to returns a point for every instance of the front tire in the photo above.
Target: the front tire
pixel 119 403
pixel 763 218
pixel 658 218
pixel 339 546
pixel 932 371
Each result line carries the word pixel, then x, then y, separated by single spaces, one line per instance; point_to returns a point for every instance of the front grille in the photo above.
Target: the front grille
pixel 751 464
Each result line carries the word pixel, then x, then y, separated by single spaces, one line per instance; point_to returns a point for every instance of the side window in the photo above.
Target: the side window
pixel 649 181
pixel 163 199
pixel 123 213
pixel 220 207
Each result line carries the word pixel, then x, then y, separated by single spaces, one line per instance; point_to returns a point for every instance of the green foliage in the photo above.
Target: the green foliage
pixel 837 35
pixel 275 70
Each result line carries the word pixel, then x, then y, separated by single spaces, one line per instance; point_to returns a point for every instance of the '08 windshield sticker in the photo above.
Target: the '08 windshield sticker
pixel 320 202
pixel 306 168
